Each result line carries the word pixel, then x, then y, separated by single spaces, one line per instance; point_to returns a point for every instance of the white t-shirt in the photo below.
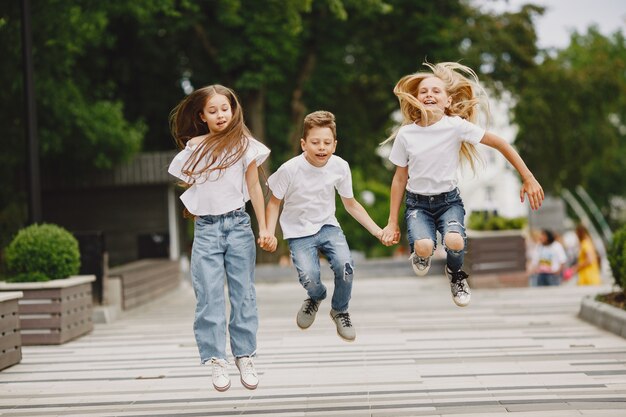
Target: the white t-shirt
pixel 221 191
pixel 549 258
pixel 432 153
pixel 309 194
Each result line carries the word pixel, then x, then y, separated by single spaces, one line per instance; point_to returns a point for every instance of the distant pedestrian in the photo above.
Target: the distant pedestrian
pixel 588 265
pixel 548 261
pixel 218 162
pixel 440 109
pixel 307 184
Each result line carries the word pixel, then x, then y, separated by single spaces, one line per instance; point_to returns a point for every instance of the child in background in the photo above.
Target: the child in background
pixel 548 260
pixel 218 161
pixel 440 109
pixel 307 184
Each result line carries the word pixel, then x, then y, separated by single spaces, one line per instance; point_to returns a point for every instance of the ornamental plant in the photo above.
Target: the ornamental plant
pixel 42 252
pixel 617 257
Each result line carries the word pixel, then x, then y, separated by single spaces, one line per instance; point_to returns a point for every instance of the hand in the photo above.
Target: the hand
pixel 531 187
pixel 267 241
pixel 390 235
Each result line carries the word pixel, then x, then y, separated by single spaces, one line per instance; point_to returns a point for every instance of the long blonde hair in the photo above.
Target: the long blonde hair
pixel 218 150
pixel 468 99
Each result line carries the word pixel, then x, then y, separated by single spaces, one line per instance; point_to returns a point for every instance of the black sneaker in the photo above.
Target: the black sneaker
pixel 306 315
pixel 459 287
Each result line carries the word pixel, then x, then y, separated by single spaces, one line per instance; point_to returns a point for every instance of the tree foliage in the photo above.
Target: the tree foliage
pixel 571 116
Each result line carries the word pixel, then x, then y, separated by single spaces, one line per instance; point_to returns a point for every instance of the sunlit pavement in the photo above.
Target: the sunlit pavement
pixel 521 351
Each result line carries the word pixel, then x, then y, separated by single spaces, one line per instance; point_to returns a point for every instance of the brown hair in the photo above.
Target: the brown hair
pixel 320 118
pixel 218 150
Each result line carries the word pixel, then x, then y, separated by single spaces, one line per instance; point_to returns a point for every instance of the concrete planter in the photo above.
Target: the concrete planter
pixel 10 340
pixel 496 258
pixel 603 315
pixel 54 312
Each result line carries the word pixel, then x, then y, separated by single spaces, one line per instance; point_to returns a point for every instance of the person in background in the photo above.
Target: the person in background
pixel 548 260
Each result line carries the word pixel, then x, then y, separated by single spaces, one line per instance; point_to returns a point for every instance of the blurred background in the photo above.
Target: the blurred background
pixel 106 74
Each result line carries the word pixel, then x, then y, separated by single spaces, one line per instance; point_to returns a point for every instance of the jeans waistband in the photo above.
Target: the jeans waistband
pixel 227 214
pixel 436 198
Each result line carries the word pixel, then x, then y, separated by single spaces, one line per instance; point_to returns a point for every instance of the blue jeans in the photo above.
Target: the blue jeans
pixel 224 248
pixel 545 280
pixel 331 242
pixel 427 214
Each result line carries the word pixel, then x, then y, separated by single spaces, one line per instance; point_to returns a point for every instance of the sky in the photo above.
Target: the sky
pixel 563 16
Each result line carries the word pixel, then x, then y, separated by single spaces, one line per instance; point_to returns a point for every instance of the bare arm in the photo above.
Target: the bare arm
pixel 271 217
pixel 258 203
pixel 391 232
pixel 530 186
pixel 356 210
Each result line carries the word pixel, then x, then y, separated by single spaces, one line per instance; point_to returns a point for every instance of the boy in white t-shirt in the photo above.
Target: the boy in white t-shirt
pixel 307 185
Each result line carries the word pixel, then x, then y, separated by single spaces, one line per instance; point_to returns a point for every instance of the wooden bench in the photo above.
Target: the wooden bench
pixel 144 280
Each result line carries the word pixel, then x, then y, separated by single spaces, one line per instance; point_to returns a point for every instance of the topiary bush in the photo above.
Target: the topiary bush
pixel 617 257
pixel 484 221
pixel 42 252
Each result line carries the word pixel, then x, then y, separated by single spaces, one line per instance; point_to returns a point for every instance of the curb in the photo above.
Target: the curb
pixel 603 315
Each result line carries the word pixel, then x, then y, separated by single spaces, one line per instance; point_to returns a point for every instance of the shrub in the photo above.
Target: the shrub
pixel 484 221
pixel 44 249
pixel 617 257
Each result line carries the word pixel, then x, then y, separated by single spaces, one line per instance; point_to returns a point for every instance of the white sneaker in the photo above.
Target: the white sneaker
pixel 221 380
pixel 459 287
pixel 345 329
pixel 249 377
pixel 420 265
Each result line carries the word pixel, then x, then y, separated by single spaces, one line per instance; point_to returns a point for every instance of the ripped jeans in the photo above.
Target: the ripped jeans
pixel 427 214
pixel 330 242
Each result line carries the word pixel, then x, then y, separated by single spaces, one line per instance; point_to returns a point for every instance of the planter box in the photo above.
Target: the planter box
pixel 56 311
pixel 496 259
pixel 603 315
pixel 10 340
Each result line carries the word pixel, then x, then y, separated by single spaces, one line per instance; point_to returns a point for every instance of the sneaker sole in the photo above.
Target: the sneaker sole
pixel 221 389
pixel 460 304
pixel 339 334
pixel 248 386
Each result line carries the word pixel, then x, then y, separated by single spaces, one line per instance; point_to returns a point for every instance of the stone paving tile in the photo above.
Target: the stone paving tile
pixel 416 354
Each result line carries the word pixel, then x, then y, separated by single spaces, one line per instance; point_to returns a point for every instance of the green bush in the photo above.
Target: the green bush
pixel 28 277
pixel 617 257
pixel 484 221
pixel 44 249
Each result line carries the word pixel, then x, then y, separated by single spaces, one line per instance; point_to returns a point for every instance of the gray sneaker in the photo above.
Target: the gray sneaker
pixel 345 330
pixel 420 265
pixel 306 315
pixel 459 287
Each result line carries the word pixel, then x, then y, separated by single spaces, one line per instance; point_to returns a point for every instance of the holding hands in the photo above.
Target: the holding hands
pixel 267 241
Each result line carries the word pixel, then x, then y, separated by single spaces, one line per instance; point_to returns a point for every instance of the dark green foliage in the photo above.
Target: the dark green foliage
pixel 484 221
pixel 43 249
pixel 28 277
pixel 617 257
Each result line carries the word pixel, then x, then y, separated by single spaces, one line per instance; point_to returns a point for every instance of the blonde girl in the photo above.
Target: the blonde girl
pixel 218 161
pixel 440 109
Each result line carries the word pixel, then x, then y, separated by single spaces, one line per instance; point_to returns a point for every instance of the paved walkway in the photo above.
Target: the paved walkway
pixel 519 351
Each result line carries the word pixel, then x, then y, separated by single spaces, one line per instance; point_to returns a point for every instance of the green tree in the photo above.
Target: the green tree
pixel 571 117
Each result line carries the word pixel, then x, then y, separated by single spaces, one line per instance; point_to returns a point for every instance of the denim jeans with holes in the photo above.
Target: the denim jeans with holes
pixel 224 249
pixel 330 242
pixel 427 214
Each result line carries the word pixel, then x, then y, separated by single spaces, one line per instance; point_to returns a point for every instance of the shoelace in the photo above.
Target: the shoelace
pixel 311 306
pixel 219 366
pixel 248 367
pixel 457 280
pixel 345 319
